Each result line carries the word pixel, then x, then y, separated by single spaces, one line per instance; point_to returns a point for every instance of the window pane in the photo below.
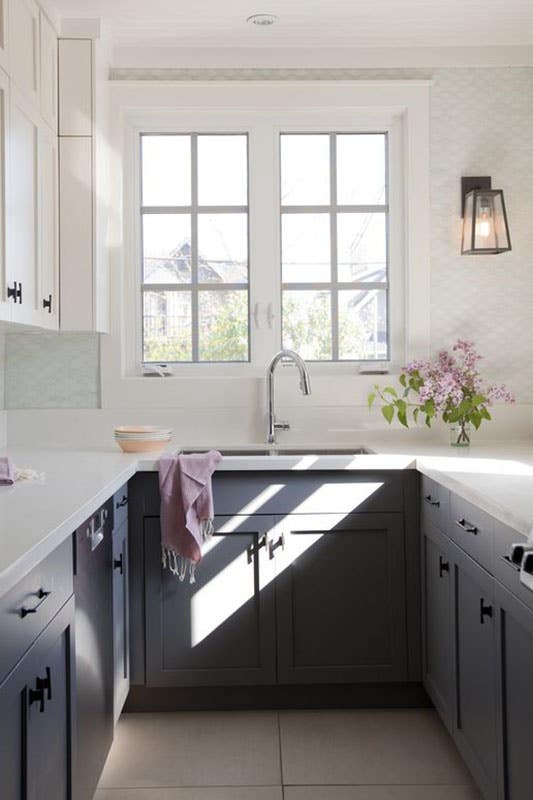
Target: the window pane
pixel 222 170
pixel 363 324
pixel 167 326
pixel 362 247
pixel 223 325
pixel 306 255
pixel 223 248
pixel 167 248
pixel 307 323
pixel 305 169
pixel 166 170
pixel 361 169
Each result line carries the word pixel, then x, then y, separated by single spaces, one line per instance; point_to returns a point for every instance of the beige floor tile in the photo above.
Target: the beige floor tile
pixel 368 747
pixel 380 793
pixel 210 793
pixel 194 749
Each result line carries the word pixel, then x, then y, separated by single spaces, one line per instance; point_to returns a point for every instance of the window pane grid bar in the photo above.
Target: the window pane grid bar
pixel 194 247
pixel 188 287
pixel 335 207
pixel 329 286
pixel 194 209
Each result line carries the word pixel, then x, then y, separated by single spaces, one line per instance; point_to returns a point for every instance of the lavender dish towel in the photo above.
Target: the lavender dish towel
pixel 187 511
pixel 7 473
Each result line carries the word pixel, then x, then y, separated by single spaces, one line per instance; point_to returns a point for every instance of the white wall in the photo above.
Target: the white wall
pixel 481 123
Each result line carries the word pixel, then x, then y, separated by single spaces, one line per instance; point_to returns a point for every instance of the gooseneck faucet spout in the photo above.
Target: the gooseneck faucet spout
pixel 305 388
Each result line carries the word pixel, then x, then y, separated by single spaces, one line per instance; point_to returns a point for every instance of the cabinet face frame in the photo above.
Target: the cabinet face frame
pixel 4 35
pixel 48 52
pixel 48 226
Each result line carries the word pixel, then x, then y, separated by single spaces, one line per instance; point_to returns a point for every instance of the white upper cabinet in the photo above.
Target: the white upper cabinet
pixel 24 49
pixel 22 224
pixel 48 52
pixel 5 304
pixel 48 283
pixel 4 33
pixel 75 87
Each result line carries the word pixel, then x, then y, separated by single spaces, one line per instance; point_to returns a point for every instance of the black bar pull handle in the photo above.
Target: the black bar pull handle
pixel 123 502
pixel 444 566
pixel 37 696
pixel 429 499
pixel 273 546
pixel 118 563
pixel 42 595
pixel 47 303
pixel 466 526
pixel 45 684
pixel 484 611
pixel 253 549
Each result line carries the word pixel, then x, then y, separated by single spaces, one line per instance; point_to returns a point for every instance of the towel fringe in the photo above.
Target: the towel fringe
pixel 178 565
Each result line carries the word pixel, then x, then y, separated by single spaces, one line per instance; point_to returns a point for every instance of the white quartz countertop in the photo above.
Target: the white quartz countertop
pixel 35 517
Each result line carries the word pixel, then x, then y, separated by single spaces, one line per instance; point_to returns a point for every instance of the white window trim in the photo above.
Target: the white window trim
pixel 401 108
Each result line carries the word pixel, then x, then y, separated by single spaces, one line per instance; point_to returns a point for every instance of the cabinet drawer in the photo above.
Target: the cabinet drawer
pixel 120 506
pixel 32 603
pixel 504 570
pixel 473 530
pixel 435 503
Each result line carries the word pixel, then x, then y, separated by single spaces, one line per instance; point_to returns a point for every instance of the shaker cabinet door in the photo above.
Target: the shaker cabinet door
pixel 121 624
pixel 476 720
pixel 340 598
pixel 219 630
pixel 438 619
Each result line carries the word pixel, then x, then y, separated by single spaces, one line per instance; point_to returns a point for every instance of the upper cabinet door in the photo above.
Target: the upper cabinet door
pixel 24 47
pixel 48 287
pixel 48 47
pixel 22 224
pixel 75 87
pixel 4 32
pixel 5 303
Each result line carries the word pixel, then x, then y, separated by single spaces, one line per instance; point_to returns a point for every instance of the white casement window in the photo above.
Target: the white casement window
pixel 194 195
pixel 334 251
pixel 249 227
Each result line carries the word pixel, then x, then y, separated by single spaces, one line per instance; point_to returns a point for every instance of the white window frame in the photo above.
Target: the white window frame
pixel 260 109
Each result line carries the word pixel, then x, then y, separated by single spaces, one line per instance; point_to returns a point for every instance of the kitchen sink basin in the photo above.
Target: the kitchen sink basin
pixel 282 451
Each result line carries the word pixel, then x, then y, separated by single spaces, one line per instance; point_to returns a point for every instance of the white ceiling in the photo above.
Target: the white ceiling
pixel 304 23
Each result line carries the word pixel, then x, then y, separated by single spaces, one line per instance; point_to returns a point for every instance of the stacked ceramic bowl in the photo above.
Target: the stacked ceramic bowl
pixel 142 438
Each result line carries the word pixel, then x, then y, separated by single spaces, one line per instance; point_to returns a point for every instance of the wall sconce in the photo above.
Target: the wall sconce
pixel 485 227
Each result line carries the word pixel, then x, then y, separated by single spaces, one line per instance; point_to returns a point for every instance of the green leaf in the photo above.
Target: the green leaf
pixel 402 418
pixel 416 412
pixel 476 419
pixel 371 399
pixel 390 390
pixel 478 399
pixel 403 379
pixel 388 413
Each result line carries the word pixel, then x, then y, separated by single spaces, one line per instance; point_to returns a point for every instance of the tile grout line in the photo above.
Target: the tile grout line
pixel 280 757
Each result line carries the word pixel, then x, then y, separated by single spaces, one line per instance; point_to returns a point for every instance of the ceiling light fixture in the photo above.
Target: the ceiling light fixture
pixel 262 20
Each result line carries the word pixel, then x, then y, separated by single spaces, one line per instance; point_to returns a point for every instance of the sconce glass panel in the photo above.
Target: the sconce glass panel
pixel 485 228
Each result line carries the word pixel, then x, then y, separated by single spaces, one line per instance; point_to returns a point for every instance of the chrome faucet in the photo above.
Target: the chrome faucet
pixel 305 388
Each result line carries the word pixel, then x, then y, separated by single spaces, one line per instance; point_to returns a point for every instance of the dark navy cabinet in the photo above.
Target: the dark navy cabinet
pixel 514 625
pixel 36 716
pixel 340 598
pixel 438 634
pixel 304 582
pixel 121 620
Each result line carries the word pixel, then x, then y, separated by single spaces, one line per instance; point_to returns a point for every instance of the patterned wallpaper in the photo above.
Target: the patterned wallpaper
pixel 51 370
pixel 481 123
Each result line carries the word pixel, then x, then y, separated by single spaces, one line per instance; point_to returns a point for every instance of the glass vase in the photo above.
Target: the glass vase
pixel 460 434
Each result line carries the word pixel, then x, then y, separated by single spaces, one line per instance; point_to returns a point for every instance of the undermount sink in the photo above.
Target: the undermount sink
pixel 284 451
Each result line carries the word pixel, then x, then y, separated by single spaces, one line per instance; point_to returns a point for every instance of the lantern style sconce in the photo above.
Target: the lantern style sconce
pixel 485 227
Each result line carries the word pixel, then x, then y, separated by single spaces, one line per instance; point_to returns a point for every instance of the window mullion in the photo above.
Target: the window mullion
pixel 194 248
pixel 333 247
